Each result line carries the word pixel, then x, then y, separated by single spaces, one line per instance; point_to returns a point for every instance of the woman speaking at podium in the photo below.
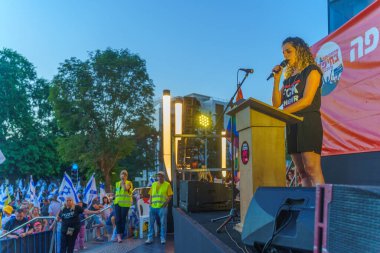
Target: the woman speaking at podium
pixel 300 95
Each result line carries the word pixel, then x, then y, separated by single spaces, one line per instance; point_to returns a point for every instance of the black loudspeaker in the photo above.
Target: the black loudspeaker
pixel 196 196
pixel 281 217
pixel 347 219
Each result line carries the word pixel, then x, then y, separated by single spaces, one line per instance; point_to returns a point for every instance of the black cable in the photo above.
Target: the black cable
pixel 234 240
pixel 275 230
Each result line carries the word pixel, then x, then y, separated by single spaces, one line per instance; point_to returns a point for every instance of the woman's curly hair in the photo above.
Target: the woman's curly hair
pixel 303 53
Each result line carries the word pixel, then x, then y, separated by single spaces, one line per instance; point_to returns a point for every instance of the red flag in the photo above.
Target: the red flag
pixel 239 95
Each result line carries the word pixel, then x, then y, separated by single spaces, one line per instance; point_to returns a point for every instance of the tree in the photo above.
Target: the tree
pixel 27 127
pixel 100 104
pixel 144 154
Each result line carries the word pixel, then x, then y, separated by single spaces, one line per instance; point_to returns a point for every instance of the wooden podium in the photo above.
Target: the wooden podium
pixel 261 157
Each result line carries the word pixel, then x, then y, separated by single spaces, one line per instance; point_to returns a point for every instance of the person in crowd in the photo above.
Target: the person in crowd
pixel 160 195
pixel 301 95
pixel 133 219
pixel 70 217
pixel 122 203
pixel 19 220
pixel 8 214
pixel 34 212
pixel 54 206
pixel 106 203
pixel 111 225
pixel 79 243
pixel 54 209
pixel 37 227
pixel 96 220
pixel 45 207
pixel 290 178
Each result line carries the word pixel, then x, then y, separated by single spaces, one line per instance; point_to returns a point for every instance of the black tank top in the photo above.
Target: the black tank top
pixel 294 88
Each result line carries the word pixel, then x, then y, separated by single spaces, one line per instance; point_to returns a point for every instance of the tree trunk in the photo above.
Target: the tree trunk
pixel 107 178
pixel 106 166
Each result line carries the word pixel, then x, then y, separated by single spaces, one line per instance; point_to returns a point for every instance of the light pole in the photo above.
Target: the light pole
pixel 223 156
pixel 166 132
pixel 204 121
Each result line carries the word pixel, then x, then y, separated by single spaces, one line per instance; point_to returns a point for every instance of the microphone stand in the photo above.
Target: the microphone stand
pixel 233 213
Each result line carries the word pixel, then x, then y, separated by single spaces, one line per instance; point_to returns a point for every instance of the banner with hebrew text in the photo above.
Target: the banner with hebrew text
pixel 350 61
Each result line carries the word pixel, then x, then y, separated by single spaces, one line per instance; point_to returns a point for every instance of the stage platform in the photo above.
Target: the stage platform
pixel 194 232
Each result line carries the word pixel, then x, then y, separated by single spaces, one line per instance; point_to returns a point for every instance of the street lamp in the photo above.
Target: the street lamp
pixel 178 124
pixel 224 150
pixel 166 132
pixel 205 122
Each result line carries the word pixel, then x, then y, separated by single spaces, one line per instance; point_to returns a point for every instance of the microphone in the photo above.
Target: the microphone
pixel 248 71
pixel 282 64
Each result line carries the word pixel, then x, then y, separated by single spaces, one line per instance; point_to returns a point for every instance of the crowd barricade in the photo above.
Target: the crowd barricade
pixel 34 243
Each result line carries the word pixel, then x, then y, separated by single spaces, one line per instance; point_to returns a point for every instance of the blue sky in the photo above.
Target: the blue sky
pixel 189 46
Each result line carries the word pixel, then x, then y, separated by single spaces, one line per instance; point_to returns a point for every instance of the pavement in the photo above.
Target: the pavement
pixel 130 245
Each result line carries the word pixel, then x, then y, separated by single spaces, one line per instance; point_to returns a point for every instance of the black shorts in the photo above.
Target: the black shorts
pixel 305 136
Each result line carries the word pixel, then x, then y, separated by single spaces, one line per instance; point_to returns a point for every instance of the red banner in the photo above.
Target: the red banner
pixel 350 61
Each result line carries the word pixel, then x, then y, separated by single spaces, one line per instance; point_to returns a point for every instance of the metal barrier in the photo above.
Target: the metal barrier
pixel 293 180
pixel 26 223
pixel 92 215
pixel 32 243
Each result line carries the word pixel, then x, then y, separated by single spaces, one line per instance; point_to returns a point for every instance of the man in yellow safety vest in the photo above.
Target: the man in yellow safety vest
pixel 160 195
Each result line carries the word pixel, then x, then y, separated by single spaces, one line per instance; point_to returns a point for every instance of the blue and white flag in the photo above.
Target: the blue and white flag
pixel 31 193
pixel 52 193
pixel 102 190
pixel 151 181
pixel 52 186
pixel 20 184
pixel 5 198
pixel 90 191
pixel 18 196
pixel 10 188
pixel 79 187
pixel 2 157
pixel 38 200
pixel 67 190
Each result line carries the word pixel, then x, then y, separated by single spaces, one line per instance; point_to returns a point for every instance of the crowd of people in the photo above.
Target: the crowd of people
pixel 109 215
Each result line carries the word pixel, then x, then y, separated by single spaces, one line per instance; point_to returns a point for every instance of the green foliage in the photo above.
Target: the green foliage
pixel 103 105
pixel 27 129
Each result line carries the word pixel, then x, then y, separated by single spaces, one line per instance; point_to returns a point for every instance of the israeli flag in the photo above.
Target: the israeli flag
pixel 10 188
pixel 31 193
pixel 90 191
pixel 102 191
pixel 38 200
pixel 52 186
pixel 79 187
pixel 20 184
pixel 5 198
pixel 52 193
pixel 67 190
pixel 150 182
pixel 2 157
pixel 18 196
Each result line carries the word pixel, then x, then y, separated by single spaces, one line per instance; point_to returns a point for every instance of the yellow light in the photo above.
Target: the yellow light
pixel 178 125
pixel 204 121
pixel 224 150
pixel 166 132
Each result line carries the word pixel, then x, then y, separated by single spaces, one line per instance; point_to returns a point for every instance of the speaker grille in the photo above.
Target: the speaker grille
pixel 354 219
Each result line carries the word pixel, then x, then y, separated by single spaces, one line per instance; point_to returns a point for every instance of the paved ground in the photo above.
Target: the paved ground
pixel 131 245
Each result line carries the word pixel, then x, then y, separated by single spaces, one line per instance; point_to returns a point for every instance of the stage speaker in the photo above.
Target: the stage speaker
pixel 281 217
pixel 347 219
pixel 196 196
